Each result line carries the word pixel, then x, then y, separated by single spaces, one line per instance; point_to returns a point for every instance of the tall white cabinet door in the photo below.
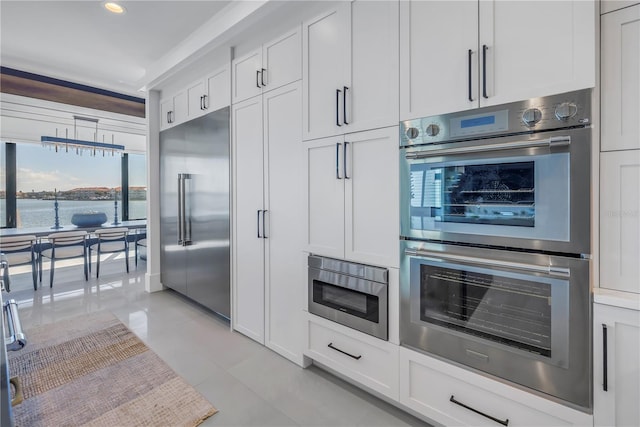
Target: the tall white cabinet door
pixel 285 284
pixel 325 53
pixel 246 78
pixel 372 197
pixel 248 248
pixel 435 40
pixel 372 99
pixel 618 404
pixel 218 93
pixel 536 48
pixel 620 95
pixel 325 196
pixel 282 60
pixel 620 220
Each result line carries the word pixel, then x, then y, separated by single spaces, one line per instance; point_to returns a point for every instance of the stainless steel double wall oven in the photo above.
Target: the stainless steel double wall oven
pixel 495 242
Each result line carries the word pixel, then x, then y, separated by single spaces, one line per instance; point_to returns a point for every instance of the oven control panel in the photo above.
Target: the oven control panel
pixel 571 109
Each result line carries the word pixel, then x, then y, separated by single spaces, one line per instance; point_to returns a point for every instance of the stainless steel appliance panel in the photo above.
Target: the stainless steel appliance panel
pixel 195 217
pixel 519 316
pixel 354 295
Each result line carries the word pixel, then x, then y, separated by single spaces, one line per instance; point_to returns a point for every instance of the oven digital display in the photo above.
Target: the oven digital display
pixel 478 121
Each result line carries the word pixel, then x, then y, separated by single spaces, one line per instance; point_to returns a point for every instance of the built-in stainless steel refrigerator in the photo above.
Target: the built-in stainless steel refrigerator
pixel 194 210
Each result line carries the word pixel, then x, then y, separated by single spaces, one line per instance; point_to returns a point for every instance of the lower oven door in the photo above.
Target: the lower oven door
pixel 522 317
pixel 354 302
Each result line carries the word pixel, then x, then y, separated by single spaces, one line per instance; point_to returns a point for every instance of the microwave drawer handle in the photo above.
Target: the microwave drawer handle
pixel 550 270
pixel 452 399
pixel 330 345
pixel 554 141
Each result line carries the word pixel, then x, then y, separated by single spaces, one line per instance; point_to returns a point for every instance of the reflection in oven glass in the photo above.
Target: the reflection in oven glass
pixel 493 193
pixel 510 311
pixel 346 300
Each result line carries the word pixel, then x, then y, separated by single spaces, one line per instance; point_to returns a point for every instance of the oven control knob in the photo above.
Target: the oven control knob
pixel 566 110
pixel 531 116
pixel 432 130
pixel 412 133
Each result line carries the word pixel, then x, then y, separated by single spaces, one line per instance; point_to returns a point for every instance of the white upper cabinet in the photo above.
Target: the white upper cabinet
pixel 469 54
pixel 620 75
pixel 350 69
pixel 607 6
pixel 271 66
pixel 197 99
pixel 536 48
pixel 620 220
pixel 439 57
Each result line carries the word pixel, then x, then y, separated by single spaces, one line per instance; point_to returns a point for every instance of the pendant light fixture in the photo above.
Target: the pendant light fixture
pixel 79 145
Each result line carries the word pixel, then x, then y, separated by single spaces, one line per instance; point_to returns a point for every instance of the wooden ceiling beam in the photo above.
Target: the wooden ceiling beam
pixel 20 83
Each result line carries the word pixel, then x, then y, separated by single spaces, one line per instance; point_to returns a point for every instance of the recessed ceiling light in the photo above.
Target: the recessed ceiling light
pixel 114 7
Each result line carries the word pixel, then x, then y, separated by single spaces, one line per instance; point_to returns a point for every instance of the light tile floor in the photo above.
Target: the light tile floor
pixel 248 383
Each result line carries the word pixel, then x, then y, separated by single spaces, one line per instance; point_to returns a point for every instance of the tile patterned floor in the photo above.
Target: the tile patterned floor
pixel 248 383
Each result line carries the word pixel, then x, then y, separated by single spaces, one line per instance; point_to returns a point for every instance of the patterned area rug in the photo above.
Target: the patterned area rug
pixel 92 370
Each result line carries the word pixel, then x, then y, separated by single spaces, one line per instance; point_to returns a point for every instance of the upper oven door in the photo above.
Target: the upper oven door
pixel 525 191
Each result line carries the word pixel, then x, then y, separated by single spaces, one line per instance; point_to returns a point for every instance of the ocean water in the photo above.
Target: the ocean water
pixel 41 213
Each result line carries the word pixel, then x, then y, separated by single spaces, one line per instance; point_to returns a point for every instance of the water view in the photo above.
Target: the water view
pixel 40 213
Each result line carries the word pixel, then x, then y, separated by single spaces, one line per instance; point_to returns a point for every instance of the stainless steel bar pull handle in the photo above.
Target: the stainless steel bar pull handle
pixel 344 105
pixel 186 205
pixel 469 54
pixel 484 71
pixel 554 141
pixel 264 224
pixel 258 223
pixel 338 91
pixel 258 79
pixel 548 269
pixel 180 210
pixel 16 340
pixel 262 77
pixel 452 399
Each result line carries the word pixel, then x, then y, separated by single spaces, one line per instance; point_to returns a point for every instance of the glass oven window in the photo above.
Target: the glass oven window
pixel 511 311
pixel 347 300
pixel 490 193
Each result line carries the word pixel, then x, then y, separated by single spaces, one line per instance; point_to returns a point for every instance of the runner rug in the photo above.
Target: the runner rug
pixel 92 370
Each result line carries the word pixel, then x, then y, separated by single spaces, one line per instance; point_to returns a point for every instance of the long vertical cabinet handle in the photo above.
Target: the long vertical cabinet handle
pixel 344 106
pixel 605 385
pixel 264 226
pixel 470 54
pixel 204 102
pixel 259 236
pixel 344 161
pixel 484 71
pixel 338 160
pixel 338 91
pixel 258 79
pixel 262 77
pixel 180 211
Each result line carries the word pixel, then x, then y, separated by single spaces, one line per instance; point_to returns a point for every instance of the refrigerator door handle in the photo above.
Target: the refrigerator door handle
pixel 186 210
pixel 180 210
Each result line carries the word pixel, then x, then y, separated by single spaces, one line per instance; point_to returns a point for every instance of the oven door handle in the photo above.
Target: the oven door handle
pixel 554 141
pixel 549 269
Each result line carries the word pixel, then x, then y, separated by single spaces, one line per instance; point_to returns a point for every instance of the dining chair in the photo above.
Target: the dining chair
pixel 21 250
pixel 141 241
pixel 64 245
pixel 110 240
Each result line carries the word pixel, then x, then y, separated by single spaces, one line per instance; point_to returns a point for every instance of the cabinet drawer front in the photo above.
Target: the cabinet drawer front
pixel 374 366
pixel 450 400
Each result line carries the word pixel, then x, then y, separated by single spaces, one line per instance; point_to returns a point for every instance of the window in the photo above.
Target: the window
pixel 137 186
pixel 78 184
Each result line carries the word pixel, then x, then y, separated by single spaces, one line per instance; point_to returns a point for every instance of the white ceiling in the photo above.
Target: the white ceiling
pixel 80 41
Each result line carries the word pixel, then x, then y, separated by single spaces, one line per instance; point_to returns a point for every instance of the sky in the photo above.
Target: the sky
pixel 42 169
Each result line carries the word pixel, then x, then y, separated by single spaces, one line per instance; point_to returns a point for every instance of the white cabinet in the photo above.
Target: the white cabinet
pixel 616 339
pixel 271 66
pixel 620 220
pixel 438 390
pixel 479 53
pixel 607 6
pixel 174 110
pixel 365 359
pixel 268 288
pixel 197 99
pixel 352 209
pixel 620 94
pixel 350 69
